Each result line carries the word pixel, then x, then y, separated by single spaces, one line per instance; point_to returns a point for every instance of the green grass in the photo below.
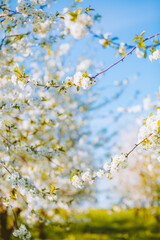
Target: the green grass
pixel 102 225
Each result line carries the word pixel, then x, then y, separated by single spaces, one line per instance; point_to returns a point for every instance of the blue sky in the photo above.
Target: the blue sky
pixel 124 19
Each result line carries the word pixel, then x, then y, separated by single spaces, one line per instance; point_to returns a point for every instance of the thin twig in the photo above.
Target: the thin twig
pixel 121 60
pixel 45 86
pixel 9 10
pixel 116 44
pixel 6 168
pixel 15 218
pixel 16 189
pixel 10 36
pixel 6 139
pixel 136 145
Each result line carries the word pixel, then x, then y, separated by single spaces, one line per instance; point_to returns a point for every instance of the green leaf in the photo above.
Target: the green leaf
pixel 52 188
pixel 57 14
pixel 89 9
pixel 85 74
pixel 17 74
pixel 152 49
pixel 13 195
pixel 61 149
pixel 134 39
pixel 61 89
pixel 106 43
pixel 59 114
pixel 142 33
pixel 18 70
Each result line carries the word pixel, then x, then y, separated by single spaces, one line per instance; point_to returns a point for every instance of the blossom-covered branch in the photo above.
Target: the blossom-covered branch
pixel 137 144
pixel 125 55
pixel 149 136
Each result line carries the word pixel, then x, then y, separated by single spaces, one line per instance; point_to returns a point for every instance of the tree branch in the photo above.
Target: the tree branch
pixel 136 145
pixel 121 60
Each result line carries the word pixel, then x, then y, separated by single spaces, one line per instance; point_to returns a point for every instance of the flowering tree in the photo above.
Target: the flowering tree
pixel 139 183
pixel 43 150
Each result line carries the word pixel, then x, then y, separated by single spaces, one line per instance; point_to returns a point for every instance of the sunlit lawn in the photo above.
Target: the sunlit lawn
pixel 101 224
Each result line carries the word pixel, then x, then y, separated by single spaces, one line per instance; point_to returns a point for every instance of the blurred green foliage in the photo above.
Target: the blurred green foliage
pixel 99 224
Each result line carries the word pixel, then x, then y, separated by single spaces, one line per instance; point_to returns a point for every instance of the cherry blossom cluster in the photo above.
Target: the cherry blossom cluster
pixel 24 185
pixel 141 179
pixel 104 41
pixel 155 55
pixel 39 126
pixel 108 171
pixel 150 130
pixel 140 48
pixel 79 80
pixel 123 47
pixel 22 233
pixel 139 53
pixel 76 22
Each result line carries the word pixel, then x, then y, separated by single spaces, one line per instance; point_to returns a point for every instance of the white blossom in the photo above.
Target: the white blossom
pixel 118 161
pixel 100 173
pixel 151 131
pixel 139 53
pixel 86 176
pixel 76 182
pixel 22 232
pixel 77 78
pixel 107 167
pixel 78 26
pixel 122 48
pixel 155 55
pixel 85 82
pixel 102 41
pixel 106 35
